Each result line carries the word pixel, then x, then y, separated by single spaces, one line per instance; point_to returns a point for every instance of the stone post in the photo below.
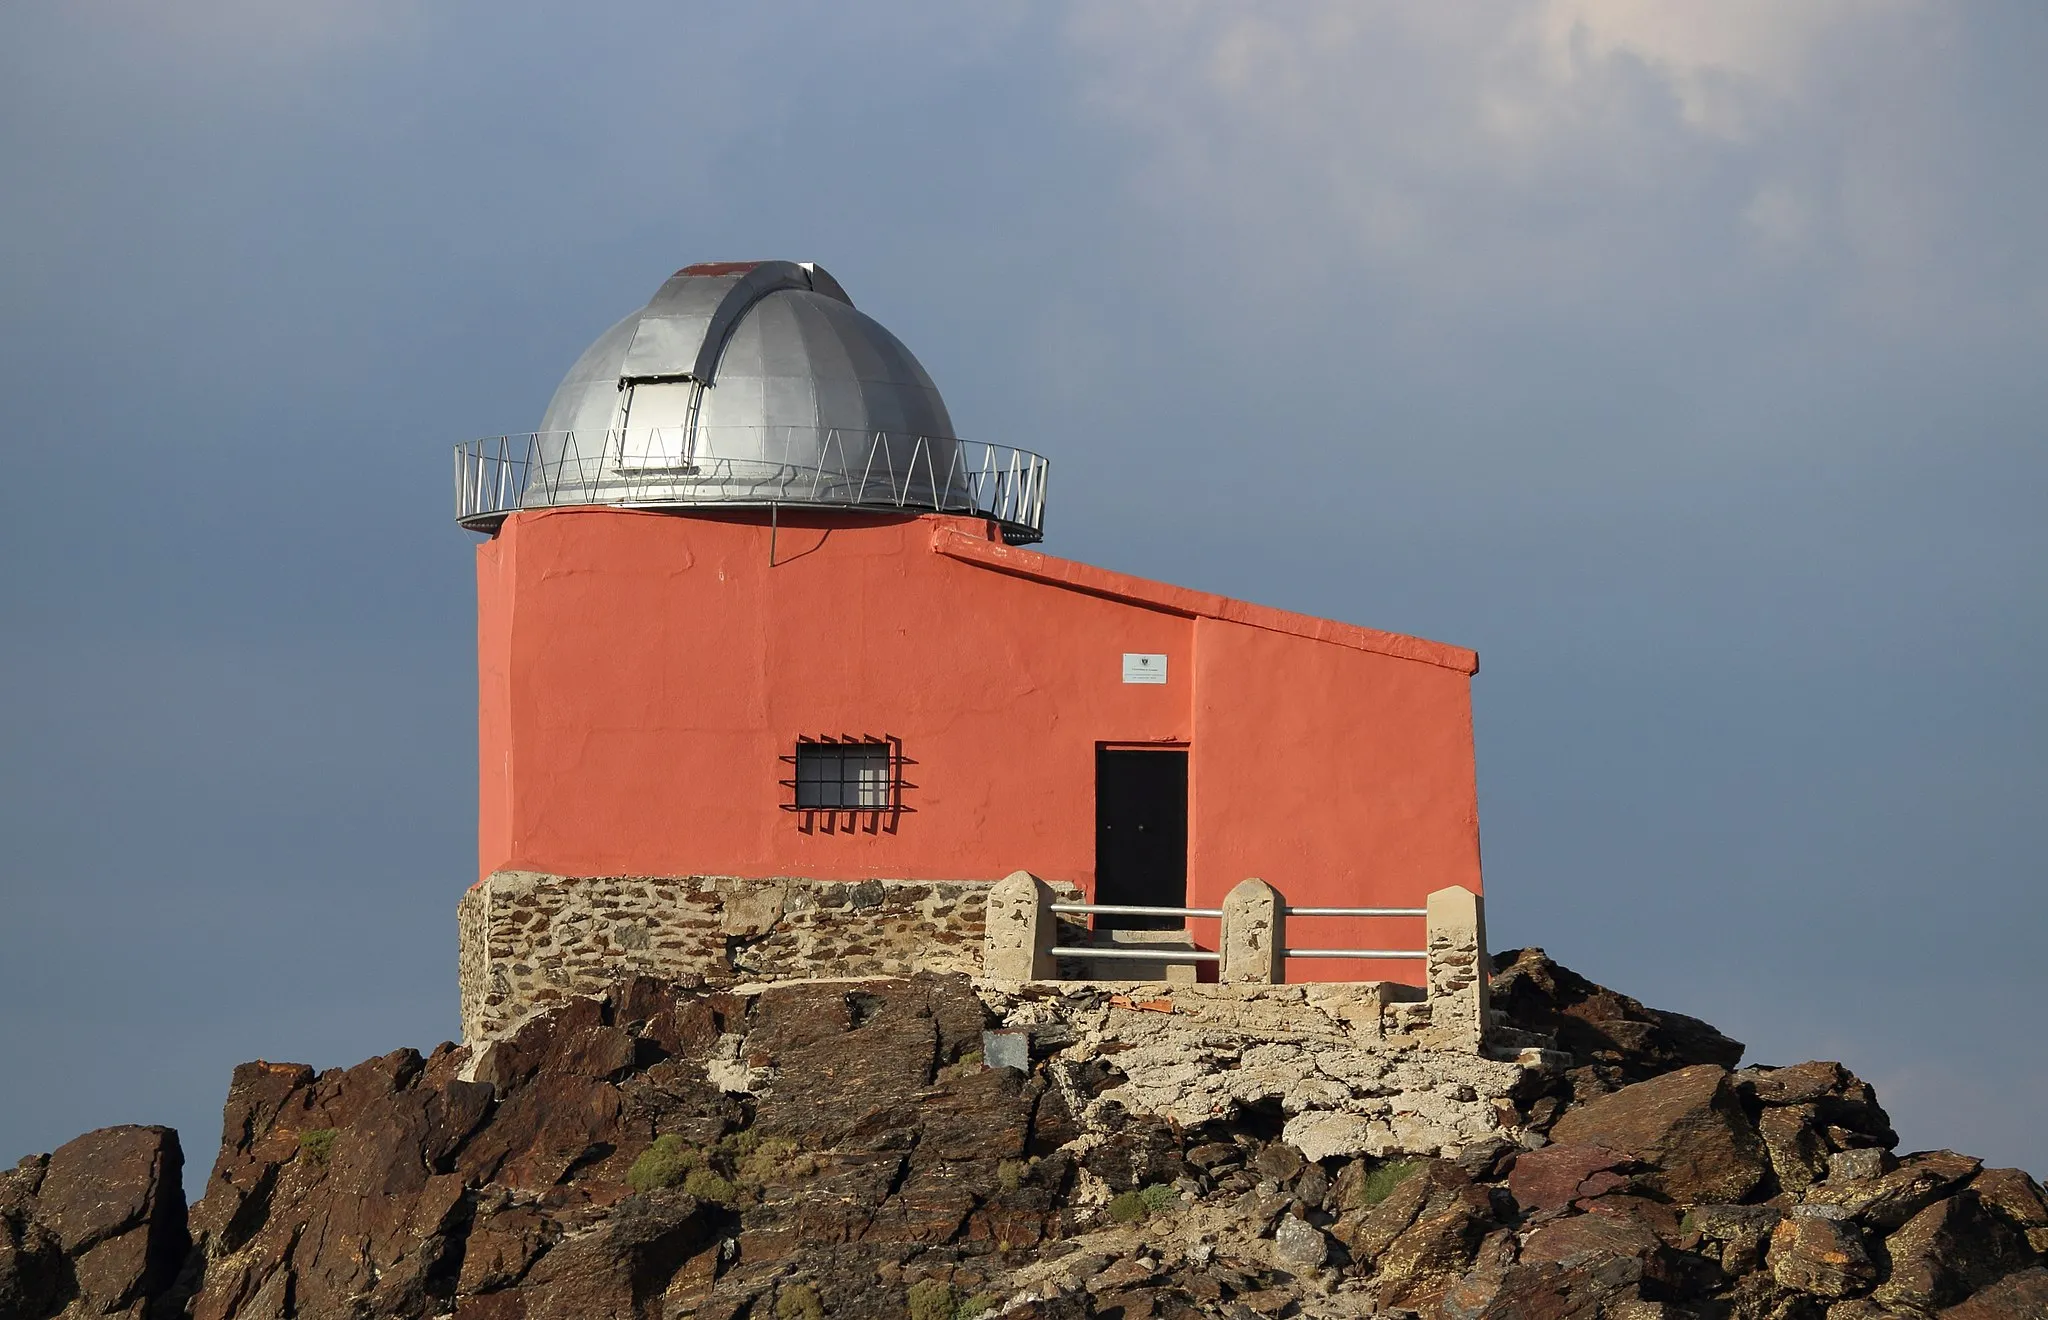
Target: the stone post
pixel 1018 929
pixel 1254 942
pixel 1457 968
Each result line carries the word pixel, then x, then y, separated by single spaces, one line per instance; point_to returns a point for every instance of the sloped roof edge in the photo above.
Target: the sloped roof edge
pixel 1052 571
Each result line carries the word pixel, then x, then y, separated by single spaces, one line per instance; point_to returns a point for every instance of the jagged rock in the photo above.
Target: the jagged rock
pixel 840 1145
pixel 2021 1296
pixel 620 1269
pixel 1949 1250
pixel 112 1204
pixel 1559 1174
pixel 1833 1102
pixel 1430 1189
pixel 1146 1153
pixel 1562 1241
pixel 1739 1231
pixel 1300 1244
pixel 1599 1025
pixel 1864 1162
pixel 1793 1137
pixel 2016 1196
pixel 32 1267
pixel 1887 1201
pixel 1821 1255
pixel 1760 1297
pixel 1867 1308
pixel 1689 1124
pixel 1423 1235
pixel 1549 1291
pixel 1279 1162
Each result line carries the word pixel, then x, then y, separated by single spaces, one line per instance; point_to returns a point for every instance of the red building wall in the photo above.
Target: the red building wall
pixel 643 674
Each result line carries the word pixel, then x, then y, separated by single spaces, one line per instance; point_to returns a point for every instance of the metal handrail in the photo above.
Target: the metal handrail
pixel 1184 955
pixel 1129 910
pixel 1357 953
pixel 1157 953
pixel 1355 912
pixel 751 466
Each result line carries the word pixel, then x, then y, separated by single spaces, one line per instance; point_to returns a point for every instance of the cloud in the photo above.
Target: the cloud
pixel 1726 64
pixel 1548 149
pixel 252 34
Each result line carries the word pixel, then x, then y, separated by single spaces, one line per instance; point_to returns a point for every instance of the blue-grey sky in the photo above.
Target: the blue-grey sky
pixel 1684 359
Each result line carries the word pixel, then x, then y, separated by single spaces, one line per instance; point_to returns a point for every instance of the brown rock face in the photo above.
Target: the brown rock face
pixel 1559 1174
pixel 861 1140
pixel 1890 1199
pixel 1821 1256
pixel 97 1228
pixel 1689 1124
pixel 2022 1296
pixel 836 1151
pixel 1811 1109
pixel 1948 1251
pixel 1599 1025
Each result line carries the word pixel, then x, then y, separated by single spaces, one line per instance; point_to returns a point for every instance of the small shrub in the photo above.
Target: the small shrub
pixel 1128 1208
pixel 664 1164
pixel 976 1305
pixel 739 1145
pixel 1158 1197
pixel 798 1301
pixel 317 1145
pixel 931 1299
pixel 1010 1174
pixel 707 1185
pixel 1381 1182
pixel 776 1159
pixel 965 1064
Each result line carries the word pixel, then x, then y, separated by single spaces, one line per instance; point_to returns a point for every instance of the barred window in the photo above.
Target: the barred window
pixel 854 775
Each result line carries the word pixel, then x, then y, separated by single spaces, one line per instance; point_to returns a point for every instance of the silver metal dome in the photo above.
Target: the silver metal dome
pixel 750 384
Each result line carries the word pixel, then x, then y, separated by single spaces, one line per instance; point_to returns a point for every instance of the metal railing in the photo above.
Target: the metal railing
pixel 1157 953
pixel 751 466
pixel 1199 955
pixel 1355 912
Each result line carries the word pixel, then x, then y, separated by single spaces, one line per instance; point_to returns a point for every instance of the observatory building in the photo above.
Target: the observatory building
pixel 750 610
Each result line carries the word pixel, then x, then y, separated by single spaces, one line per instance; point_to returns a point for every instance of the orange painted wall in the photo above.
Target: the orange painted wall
pixel 642 674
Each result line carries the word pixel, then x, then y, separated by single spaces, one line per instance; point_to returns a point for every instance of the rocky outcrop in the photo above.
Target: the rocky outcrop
pixel 1607 1032
pixel 1688 1126
pixel 97 1228
pixel 839 1150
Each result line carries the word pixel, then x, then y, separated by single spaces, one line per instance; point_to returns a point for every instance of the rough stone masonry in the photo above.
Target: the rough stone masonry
pixel 531 941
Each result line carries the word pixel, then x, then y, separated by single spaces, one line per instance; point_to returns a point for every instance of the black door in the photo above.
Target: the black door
pixel 1141 835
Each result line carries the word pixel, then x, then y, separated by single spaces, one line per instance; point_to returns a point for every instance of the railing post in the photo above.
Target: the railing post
pixel 1254 939
pixel 1017 929
pixel 1457 968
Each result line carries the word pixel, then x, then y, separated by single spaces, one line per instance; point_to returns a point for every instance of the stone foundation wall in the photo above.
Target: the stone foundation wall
pixel 1354 1067
pixel 530 941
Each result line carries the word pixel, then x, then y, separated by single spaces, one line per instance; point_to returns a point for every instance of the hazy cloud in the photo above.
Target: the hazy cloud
pixel 1628 142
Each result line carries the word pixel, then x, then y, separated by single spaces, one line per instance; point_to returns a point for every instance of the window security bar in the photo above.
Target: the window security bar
pixel 846 774
pixel 1157 953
